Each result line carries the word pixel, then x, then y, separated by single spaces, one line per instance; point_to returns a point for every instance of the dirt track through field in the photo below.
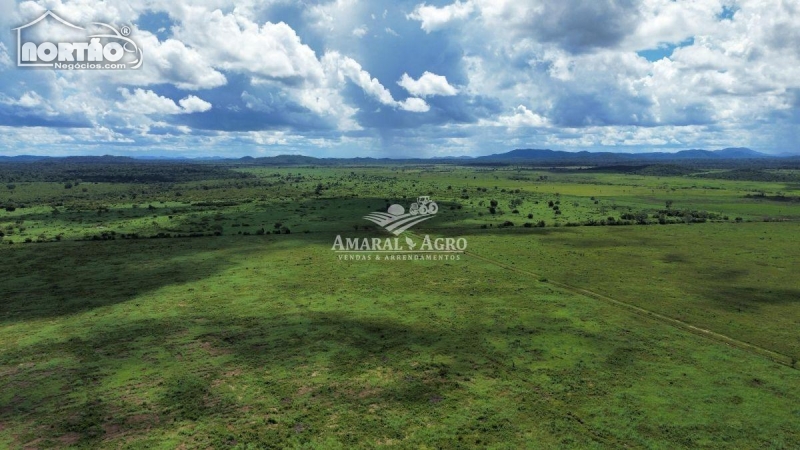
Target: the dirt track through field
pixel 771 354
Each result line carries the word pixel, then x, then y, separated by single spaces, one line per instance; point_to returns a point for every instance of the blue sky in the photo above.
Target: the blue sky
pixel 411 79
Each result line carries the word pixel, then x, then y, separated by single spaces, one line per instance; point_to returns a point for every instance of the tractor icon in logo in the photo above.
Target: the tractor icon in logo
pixel 423 206
pixel 395 220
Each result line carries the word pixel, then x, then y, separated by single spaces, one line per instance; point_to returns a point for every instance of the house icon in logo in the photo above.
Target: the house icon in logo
pixel 46 14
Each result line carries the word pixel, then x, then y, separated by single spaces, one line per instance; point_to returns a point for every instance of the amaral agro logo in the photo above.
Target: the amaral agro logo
pixel 52 42
pixel 395 220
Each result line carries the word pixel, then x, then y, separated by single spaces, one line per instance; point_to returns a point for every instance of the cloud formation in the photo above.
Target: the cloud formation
pixel 409 78
pixel 428 84
pixel 148 102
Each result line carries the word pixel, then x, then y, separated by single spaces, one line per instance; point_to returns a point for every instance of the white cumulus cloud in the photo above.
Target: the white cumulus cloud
pixel 148 102
pixel 192 104
pixel 414 104
pixel 427 85
pixel 433 18
pixel 344 68
pixel 523 117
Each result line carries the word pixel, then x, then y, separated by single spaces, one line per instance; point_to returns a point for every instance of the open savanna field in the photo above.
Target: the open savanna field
pixel 177 305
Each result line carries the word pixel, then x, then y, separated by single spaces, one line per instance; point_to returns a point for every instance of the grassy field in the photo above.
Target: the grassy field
pixel 119 330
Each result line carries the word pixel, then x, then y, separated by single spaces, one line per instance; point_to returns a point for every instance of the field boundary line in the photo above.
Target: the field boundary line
pixel 774 356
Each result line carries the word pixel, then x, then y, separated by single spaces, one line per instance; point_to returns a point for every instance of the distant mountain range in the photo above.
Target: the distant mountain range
pixel 535 156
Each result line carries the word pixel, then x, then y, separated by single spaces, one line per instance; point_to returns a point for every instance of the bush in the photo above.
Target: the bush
pixel 530 216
